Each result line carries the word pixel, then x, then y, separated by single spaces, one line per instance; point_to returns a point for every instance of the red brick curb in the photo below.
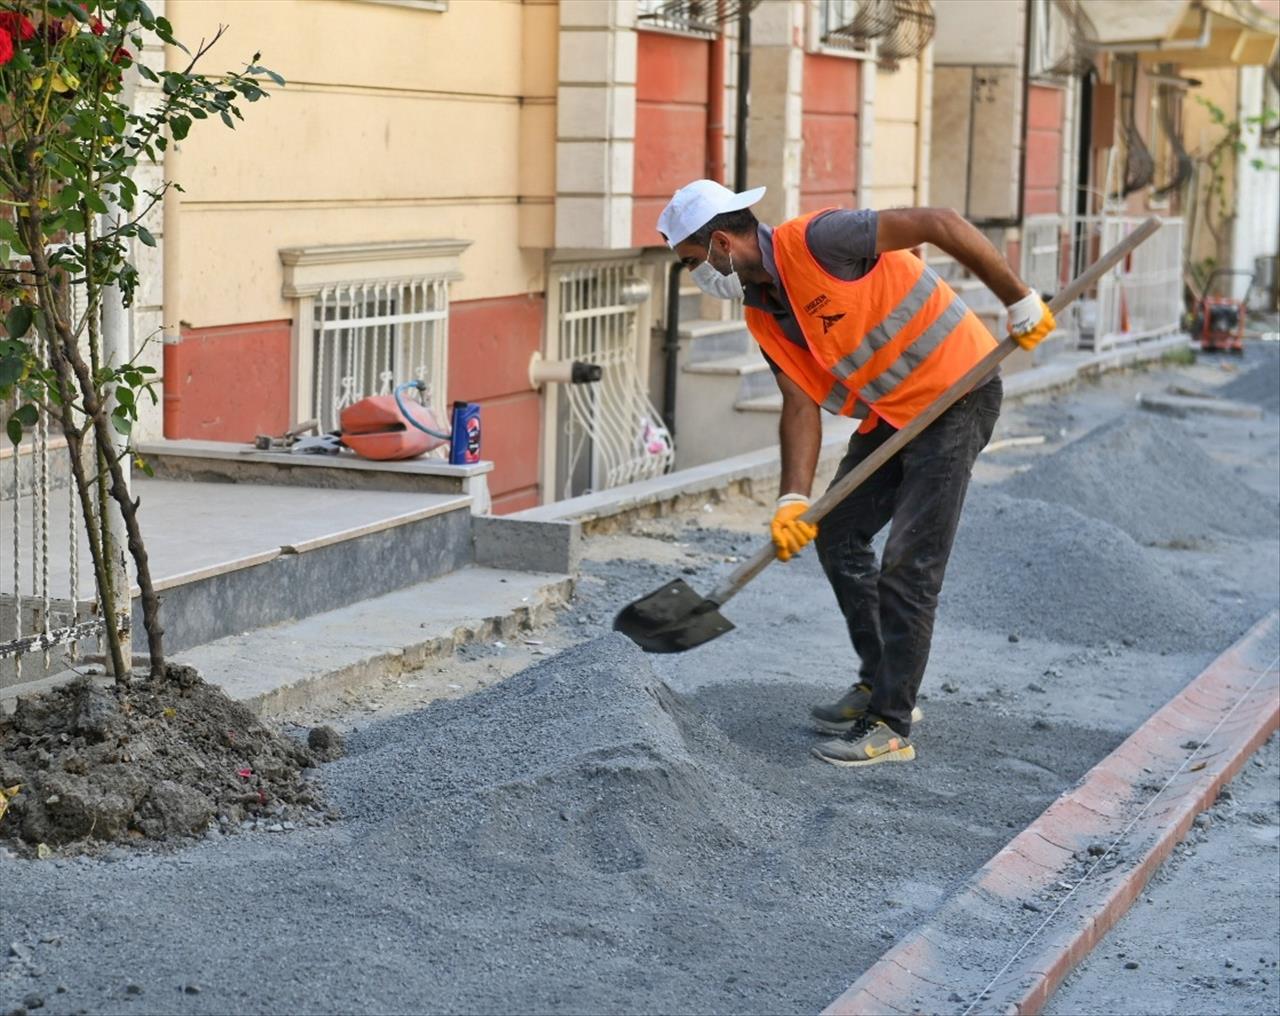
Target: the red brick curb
pixel 1229 710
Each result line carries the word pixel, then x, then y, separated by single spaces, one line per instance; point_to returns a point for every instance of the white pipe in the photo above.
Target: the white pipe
pixel 1134 45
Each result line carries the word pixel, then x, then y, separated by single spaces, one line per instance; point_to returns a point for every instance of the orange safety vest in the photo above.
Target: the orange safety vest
pixel 894 339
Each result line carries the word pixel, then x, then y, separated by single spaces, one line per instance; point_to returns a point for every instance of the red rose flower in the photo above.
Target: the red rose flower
pixel 18 26
pixel 6 48
pixel 121 56
pixel 96 26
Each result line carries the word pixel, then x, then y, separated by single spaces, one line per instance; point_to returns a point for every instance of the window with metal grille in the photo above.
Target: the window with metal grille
pixel 852 24
pixel 368 337
pixel 691 17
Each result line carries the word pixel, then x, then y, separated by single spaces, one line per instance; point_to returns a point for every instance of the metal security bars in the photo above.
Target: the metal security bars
pixel 690 17
pixel 368 337
pixel 609 433
pixel 852 24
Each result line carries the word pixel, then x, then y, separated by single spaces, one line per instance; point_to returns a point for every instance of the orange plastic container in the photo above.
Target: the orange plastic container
pixel 373 428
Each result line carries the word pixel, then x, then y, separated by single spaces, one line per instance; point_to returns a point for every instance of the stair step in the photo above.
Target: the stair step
pixel 760 404
pixel 741 364
pixel 701 328
pixel 287 665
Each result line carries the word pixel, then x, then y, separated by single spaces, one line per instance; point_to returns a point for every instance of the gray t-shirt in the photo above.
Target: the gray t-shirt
pixel 844 242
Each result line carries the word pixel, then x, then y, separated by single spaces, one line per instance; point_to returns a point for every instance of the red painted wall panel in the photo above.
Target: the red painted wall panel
pixel 671 145
pixel 671 69
pixel 229 382
pixel 830 129
pixel 490 344
pixel 831 84
pixel 1043 182
pixel 671 124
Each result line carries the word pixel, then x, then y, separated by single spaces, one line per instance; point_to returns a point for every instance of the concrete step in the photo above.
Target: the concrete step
pixel 754 375
pixel 290 665
pixel 760 404
pixel 714 340
pixel 294 665
pixel 227 557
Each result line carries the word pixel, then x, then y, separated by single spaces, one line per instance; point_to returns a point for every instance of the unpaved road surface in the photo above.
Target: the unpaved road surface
pixel 613 832
pixel 1205 936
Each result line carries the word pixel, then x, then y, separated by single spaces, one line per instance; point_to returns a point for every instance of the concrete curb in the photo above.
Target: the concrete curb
pixel 609 510
pixel 1145 795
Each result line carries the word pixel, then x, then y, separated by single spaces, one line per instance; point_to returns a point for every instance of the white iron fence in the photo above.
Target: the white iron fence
pixel 368 337
pixel 1141 299
pixel 609 432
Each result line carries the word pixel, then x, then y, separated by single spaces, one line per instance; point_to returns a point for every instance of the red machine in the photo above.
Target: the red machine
pixel 1220 319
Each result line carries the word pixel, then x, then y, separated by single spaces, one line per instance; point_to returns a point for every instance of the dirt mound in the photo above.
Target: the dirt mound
pixel 1148 477
pixel 1046 571
pixel 156 762
pixel 587 756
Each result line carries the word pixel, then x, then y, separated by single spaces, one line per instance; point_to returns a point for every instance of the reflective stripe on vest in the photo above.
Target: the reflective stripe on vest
pixel 836 398
pixel 914 355
pixel 882 334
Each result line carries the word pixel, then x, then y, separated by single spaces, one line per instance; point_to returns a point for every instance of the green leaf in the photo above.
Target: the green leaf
pixel 226 118
pixel 121 423
pixel 124 396
pixel 11 368
pixel 180 125
pixel 18 321
pixel 14 429
pixel 27 415
pixel 95 202
pixel 145 236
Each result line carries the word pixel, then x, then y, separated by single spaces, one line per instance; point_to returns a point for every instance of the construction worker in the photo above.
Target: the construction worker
pixel 854 324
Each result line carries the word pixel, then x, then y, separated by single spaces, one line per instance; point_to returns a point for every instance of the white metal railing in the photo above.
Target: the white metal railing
pixel 612 434
pixel 852 24
pixel 370 336
pixel 1141 298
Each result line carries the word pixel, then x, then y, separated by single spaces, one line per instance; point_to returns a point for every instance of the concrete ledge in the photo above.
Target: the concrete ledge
pixel 527 544
pixel 295 665
pixel 1182 406
pixel 227 462
pixel 1145 794
pixel 612 509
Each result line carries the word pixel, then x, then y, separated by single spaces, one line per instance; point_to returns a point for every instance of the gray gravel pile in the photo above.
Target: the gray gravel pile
pixel 1045 570
pixel 578 839
pixel 1147 476
pixel 1261 385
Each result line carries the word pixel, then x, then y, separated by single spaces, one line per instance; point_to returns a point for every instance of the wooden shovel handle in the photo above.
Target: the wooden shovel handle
pixel 975 376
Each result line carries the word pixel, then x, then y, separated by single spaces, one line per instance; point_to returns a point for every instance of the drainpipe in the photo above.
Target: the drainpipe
pixel 744 98
pixel 715 104
pixel 172 298
pixel 671 349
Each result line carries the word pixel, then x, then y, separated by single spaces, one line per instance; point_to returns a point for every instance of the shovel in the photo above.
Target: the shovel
pixel 675 618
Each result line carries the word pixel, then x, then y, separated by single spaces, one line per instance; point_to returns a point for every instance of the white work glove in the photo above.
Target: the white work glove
pixel 1030 321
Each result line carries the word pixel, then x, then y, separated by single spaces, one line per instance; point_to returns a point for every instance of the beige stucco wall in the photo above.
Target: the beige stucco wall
pixel 897 176
pixel 395 123
pixel 1200 134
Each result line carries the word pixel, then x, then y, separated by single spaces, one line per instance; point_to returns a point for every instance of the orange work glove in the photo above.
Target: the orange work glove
pixel 1030 321
pixel 788 531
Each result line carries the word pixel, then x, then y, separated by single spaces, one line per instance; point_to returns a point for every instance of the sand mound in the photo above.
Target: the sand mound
pixel 155 762
pixel 1046 571
pixel 1147 476
pixel 587 756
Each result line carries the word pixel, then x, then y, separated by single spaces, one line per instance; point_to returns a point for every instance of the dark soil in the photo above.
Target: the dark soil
pixel 157 762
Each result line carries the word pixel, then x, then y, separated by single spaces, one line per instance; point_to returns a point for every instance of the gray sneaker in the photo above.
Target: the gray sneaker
pixel 868 742
pixel 848 710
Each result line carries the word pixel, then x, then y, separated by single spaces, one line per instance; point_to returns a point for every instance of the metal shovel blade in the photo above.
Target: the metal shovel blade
pixel 672 619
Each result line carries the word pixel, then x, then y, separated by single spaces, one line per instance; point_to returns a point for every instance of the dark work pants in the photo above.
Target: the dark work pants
pixel 890 608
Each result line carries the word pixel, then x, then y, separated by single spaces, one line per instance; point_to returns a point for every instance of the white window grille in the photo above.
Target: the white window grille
pixel 688 17
pixel 851 25
pixel 369 337
pixel 609 433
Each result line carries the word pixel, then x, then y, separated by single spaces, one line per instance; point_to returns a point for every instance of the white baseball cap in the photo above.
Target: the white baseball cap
pixel 695 204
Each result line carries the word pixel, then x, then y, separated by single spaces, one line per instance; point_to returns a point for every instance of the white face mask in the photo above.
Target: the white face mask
pixel 712 282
